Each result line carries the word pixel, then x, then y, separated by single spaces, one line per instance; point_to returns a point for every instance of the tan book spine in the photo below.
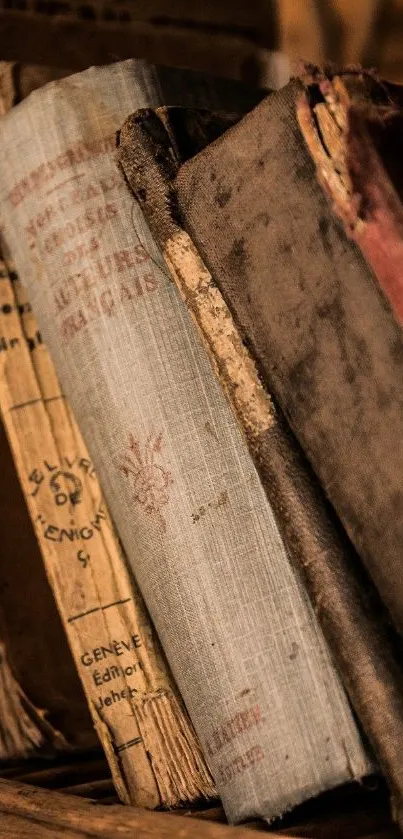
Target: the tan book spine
pixel 151 747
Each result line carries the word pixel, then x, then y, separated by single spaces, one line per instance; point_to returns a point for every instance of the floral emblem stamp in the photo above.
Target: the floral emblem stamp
pixel 149 479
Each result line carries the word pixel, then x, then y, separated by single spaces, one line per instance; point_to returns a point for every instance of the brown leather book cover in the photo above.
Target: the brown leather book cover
pixel 151 147
pixel 205 551
pixel 309 305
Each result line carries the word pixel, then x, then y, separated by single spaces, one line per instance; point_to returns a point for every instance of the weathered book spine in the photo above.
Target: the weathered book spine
pixel 150 146
pixel 140 721
pixel 351 124
pixel 30 625
pixel 231 611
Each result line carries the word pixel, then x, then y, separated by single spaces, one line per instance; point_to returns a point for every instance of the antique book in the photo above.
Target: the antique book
pixel 157 717
pixel 350 355
pixel 229 606
pixel 214 198
pixel 177 786
pixel 31 631
pixel 113 643
pixel 42 707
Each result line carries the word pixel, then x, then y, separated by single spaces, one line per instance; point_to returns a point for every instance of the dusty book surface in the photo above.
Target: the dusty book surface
pixel 341 359
pixel 263 693
pixel 151 147
pixel 24 728
pixel 211 195
pixel 358 466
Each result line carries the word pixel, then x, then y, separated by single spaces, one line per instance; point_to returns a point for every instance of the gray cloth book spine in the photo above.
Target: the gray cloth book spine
pixel 233 616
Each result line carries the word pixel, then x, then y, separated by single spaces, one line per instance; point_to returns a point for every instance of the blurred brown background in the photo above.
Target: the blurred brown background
pixel 237 38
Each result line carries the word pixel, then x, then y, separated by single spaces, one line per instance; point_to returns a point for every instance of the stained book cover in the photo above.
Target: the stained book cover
pixel 327 339
pixel 230 608
pixel 152 147
pixel 152 749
